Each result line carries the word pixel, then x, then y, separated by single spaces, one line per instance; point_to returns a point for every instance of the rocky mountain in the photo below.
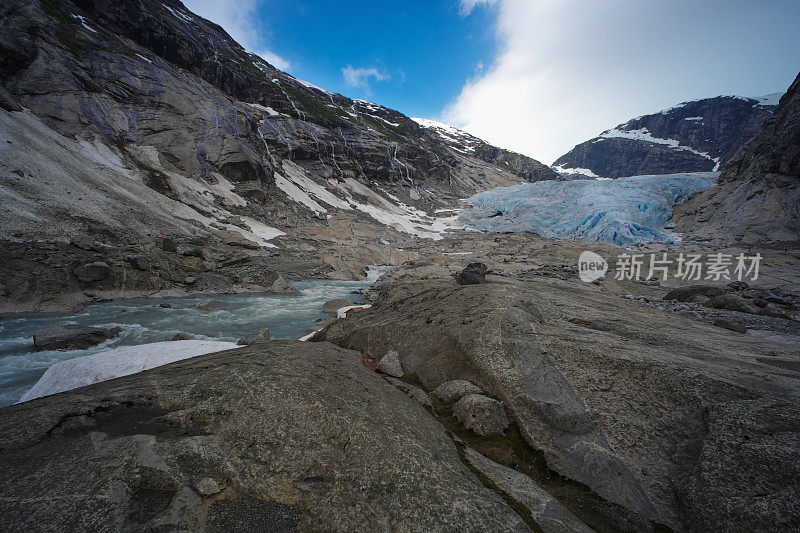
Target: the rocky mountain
pixel 695 136
pixel 758 195
pixel 133 121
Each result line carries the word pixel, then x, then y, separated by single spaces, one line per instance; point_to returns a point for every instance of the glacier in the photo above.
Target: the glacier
pixel 621 211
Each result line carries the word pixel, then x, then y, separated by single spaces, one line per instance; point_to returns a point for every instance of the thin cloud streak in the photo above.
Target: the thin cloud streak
pixel 359 77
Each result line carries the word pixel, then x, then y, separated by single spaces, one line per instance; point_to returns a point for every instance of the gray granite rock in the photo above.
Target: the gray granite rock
pixel 296 436
pixel 260 336
pixel 581 372
pixel 454 390
pixel 332 305
pixel 90 272
pixel 390 365
pixel 483 415
pixel 550 515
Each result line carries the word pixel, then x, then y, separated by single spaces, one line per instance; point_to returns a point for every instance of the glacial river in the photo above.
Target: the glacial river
pixel 144 321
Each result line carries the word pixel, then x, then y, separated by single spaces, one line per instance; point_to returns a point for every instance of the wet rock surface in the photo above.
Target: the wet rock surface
pixel 72 337
pixel 333 305
pixel 260 336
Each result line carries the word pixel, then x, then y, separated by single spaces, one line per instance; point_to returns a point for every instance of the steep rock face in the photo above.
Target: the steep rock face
pixel 635 403
pixel 128 121
pixel 758 196
pixel 690 137
pixel 287 436
pixel 153 77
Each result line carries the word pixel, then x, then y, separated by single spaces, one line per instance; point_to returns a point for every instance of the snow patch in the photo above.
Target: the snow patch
pixel 342 311
pixel 83 22
pixel 769 99
pixel 183 16
pixel 268 110
pixel 118 362
pixel 560 169
pixel 643 134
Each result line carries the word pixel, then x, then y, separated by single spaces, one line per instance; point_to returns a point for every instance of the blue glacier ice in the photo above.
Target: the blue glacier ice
pixel 622 211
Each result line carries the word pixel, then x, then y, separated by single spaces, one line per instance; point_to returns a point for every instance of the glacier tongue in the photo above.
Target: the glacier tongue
pixel 622 211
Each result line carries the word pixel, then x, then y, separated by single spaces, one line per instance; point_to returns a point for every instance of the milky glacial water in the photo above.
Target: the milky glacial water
pixel 144 321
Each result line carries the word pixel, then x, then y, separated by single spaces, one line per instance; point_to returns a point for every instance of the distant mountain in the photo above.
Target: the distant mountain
pixel 695 136
pixel 757 198
pixel 464 143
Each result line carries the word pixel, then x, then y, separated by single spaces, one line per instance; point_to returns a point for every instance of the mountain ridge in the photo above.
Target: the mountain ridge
pixel 694 136
pixel 163 125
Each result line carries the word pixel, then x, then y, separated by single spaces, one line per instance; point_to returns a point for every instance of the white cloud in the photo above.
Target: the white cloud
pixel 359 77
pixel 240 19
pixel 466 6
pixel 567 70
pixel 274 59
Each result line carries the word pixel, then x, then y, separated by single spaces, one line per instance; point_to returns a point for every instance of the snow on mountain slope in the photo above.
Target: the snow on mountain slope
pixel 622 211
pixel 688 137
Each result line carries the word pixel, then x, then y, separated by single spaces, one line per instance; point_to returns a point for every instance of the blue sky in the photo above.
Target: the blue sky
pixel 423 49
pixel 535 76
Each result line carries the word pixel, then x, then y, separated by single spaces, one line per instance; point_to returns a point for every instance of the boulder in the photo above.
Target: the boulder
pixel 773 312
pixel 414 392
pixel 281 286
pixel 481 414
pixel 260 336
pixel 238 241
pixel 319 325
pixel 91 272
pixel 548 513
pixel 181 337
pixel 472 274
pixel 684 294
pixel 211 305
pixel 390 365
pixel 140 262
pixel 739 285
pixel 7 101
pixel 332 305
pixel 72 337
pixel 732 302
pixel 168 244
pixel 309 438
pixel 454 390
pixel 730 324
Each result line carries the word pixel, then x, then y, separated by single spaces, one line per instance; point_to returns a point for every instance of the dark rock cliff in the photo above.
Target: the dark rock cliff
pixel 690 137
pixel 757 199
